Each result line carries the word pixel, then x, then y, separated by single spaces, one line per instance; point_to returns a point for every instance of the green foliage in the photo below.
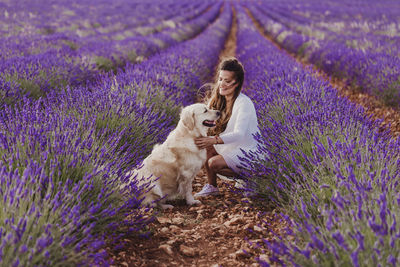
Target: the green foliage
pixel 105 64
pixel 390 95
pixel 47 30
pixel 71 44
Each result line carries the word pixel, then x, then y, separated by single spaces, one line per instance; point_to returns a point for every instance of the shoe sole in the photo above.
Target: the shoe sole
pixel 208 194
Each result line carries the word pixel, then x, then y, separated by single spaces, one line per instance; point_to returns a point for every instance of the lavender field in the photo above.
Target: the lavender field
pixel 88 87
pixel 355 41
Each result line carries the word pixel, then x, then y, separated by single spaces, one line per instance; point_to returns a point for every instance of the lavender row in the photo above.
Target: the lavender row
pixel 132 47
pixel 40 64
pixel 322 161
pixel 65 16
pixel 63 157
pixel 352 42
pixel 64 19
pixel 184 14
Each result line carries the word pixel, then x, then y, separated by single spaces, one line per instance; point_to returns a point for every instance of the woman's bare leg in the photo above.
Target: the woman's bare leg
pixel 227 172
pixel 211 175
pixel 217 165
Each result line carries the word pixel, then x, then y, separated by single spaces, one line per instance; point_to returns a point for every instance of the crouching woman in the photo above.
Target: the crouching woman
pixel 233 131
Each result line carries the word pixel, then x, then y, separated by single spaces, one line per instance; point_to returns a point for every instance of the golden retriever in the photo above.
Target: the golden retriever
pixel 172 166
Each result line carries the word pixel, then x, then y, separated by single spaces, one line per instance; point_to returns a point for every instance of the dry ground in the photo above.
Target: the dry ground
pixel 220 232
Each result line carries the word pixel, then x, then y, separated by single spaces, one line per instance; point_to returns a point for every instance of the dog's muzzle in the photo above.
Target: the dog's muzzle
pixel 209 123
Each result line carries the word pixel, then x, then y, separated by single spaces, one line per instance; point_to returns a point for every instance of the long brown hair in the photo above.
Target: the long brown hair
pixel 217 101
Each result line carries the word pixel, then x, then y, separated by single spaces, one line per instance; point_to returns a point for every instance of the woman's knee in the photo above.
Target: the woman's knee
pixel 215 163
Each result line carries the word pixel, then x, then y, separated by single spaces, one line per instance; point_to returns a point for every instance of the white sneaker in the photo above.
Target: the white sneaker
pixel 208 190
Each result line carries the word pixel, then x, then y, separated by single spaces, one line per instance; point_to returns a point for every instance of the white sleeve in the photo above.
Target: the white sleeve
pixel 241 124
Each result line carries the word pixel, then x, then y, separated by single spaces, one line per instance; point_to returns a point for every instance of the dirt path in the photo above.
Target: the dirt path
pixel 230 45
pixel 373 106
pixel 226 230
pixel 212 234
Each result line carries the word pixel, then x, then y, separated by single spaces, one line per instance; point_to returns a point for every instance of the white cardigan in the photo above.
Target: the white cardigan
pixel 239 132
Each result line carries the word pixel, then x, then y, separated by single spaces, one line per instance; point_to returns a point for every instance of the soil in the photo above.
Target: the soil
pixel 225 230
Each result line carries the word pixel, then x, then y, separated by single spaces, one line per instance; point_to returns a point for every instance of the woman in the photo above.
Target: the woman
pixel 233 131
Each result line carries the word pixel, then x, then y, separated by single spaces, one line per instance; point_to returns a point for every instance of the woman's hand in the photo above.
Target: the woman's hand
pixel 204 142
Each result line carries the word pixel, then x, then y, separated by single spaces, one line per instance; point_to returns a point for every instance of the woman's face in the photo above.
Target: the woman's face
pixel 226 83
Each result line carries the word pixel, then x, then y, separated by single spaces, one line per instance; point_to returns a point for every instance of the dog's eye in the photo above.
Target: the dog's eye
pixel 205 111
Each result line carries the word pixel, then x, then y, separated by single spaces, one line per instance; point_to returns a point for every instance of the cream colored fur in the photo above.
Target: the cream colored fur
pixel 177 160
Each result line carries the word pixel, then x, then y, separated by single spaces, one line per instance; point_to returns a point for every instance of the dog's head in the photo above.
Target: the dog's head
pixel 197 118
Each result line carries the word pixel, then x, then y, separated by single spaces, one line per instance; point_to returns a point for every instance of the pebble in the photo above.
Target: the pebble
pixel 178 220
pixel 257 228
pixel 171 242
pixel 167 249
pixel 164 230
pixel 195 208
pixel 163 220
pixel 187 251
pixel 174 228
pixel 248 226
pixel 240 254
pixel 233 221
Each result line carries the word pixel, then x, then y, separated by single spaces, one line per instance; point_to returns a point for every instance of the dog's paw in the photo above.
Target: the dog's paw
pixel 194 202
pixel 166 206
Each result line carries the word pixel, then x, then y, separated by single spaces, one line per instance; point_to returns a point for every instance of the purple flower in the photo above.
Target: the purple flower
pixel 340 239
pixel 318 243
pixel 354 258
pixel 392 260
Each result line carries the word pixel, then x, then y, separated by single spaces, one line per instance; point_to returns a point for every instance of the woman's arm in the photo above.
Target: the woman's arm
pixel 243 116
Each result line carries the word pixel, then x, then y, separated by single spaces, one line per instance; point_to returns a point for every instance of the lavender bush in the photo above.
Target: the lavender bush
pixel 346 39
pixel 330 170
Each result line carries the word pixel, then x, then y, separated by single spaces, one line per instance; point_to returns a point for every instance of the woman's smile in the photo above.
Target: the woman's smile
pixel 226 83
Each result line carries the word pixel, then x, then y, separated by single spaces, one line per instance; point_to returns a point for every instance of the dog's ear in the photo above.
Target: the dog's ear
pixel 187 117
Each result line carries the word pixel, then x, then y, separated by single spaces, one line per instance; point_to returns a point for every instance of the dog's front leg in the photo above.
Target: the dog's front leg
pixel 189 194
pixel 191 201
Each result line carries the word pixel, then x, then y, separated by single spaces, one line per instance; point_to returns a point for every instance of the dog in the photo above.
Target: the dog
pixel 171 167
